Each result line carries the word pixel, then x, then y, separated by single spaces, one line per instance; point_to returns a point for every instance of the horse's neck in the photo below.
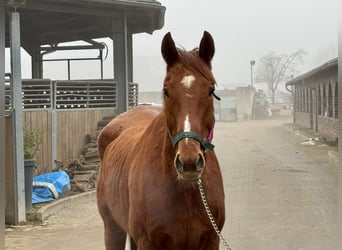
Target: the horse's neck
pixel 160 138
pixel 158 132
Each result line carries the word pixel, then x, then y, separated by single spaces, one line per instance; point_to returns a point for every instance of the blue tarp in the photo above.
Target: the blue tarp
pixel 49 186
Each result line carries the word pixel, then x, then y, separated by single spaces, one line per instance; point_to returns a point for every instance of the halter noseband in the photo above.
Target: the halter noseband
pixel 206 144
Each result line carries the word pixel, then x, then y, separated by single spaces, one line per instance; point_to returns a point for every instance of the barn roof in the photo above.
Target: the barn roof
pixel 55 21
pixel 324 67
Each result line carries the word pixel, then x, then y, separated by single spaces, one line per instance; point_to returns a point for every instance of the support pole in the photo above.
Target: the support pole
pixel 339 147
pixel 119 27
pixel 2 125
pixel 17 116
pixel 37 64
pixel 130 57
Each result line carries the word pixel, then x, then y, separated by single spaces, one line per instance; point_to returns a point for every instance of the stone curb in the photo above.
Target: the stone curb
pixel 51 208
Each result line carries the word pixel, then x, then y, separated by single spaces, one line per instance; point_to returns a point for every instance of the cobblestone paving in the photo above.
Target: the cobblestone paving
pixel 279 195
pixel 78 226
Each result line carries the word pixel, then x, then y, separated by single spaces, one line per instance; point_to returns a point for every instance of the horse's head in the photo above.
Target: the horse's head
pixel 188 100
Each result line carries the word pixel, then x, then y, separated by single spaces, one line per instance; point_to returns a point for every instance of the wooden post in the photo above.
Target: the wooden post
pixel 120 32
pixel 17 115
pixel 2 125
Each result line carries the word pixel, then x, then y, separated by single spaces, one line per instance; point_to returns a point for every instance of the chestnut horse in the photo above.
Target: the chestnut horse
pixel 152 158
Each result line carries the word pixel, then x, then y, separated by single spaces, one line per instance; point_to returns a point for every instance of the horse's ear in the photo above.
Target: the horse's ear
pixel 207 47
pixel 169 50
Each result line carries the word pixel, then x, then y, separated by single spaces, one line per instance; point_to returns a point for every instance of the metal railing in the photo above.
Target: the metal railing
pixel 84 94
pixel 133 94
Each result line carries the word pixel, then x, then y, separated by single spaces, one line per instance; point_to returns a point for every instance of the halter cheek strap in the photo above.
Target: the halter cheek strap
pixel 193 135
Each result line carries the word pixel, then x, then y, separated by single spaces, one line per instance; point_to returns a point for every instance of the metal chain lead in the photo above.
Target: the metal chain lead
pixel 210 215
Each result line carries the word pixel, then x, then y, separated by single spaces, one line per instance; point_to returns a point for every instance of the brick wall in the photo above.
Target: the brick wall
pixel 327 128
pixel 302 119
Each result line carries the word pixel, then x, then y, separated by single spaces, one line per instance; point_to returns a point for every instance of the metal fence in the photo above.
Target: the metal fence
pixel 85 94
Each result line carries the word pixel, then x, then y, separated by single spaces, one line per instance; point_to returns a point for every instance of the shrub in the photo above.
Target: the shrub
pixel 32 139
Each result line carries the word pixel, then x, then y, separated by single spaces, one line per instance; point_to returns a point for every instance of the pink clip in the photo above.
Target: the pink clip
pixel 211 135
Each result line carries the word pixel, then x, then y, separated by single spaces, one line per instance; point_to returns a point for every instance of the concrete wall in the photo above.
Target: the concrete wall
pixel 224 109
pixel 150 97
pixel 244 102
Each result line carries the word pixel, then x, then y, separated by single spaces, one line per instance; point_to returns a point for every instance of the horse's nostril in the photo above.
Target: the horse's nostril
pixel 200 163
pixel 195 165
pixel 179 164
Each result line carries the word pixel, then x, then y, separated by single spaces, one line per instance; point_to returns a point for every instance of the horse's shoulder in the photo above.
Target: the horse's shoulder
pixel 107 135
pixel 134 119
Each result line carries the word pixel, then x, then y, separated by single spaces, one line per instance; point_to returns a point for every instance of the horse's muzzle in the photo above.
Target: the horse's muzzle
pixel 189 168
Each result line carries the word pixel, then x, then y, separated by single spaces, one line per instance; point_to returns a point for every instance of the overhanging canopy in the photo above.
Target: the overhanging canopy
pixel 46 22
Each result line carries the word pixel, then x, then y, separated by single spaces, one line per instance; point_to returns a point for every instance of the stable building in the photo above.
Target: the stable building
pixel 66 110
pixel 315 100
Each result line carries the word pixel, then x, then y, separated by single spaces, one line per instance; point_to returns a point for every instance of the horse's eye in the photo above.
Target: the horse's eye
pixel 166 93
pixel 211 92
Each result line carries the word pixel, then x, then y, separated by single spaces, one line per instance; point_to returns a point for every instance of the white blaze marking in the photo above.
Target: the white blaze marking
pixel 188 80
pixel 187 126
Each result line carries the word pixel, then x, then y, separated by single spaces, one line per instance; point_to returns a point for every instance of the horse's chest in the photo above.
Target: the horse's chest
pixel 190 233
pixel 174 218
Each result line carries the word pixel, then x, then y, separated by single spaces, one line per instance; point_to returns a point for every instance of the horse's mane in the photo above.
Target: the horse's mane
pixel 192 62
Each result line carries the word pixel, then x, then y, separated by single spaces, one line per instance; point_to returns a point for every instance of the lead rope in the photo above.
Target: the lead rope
pixel 210 215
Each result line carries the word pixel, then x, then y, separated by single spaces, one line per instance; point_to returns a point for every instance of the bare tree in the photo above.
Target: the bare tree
pixel 276 68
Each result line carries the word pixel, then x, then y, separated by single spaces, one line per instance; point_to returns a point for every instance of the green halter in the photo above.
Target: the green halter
pixel 193 135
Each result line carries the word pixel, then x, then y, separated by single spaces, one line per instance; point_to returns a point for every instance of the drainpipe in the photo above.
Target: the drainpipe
pixel 294 102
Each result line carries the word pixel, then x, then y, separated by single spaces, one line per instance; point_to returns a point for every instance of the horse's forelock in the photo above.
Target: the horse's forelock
pixel 192 61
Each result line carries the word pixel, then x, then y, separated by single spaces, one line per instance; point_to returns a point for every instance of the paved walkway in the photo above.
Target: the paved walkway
pixel 279 195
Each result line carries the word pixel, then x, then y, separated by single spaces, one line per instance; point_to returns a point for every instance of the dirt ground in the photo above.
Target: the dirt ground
pixel 279 195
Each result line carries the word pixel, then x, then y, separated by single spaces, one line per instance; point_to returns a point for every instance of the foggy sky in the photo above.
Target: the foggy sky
pixel 243 30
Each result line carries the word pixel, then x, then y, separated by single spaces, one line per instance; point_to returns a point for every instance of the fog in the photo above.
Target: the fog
pixel 243 30
pixel 280 188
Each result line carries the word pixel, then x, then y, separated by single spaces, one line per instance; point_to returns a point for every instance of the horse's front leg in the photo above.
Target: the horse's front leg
pixel 210 244
pixel 156 241
pixel 115 237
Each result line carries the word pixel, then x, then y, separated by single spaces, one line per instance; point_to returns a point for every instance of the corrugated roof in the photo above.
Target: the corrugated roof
pixel 139 1
pixel 328 65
